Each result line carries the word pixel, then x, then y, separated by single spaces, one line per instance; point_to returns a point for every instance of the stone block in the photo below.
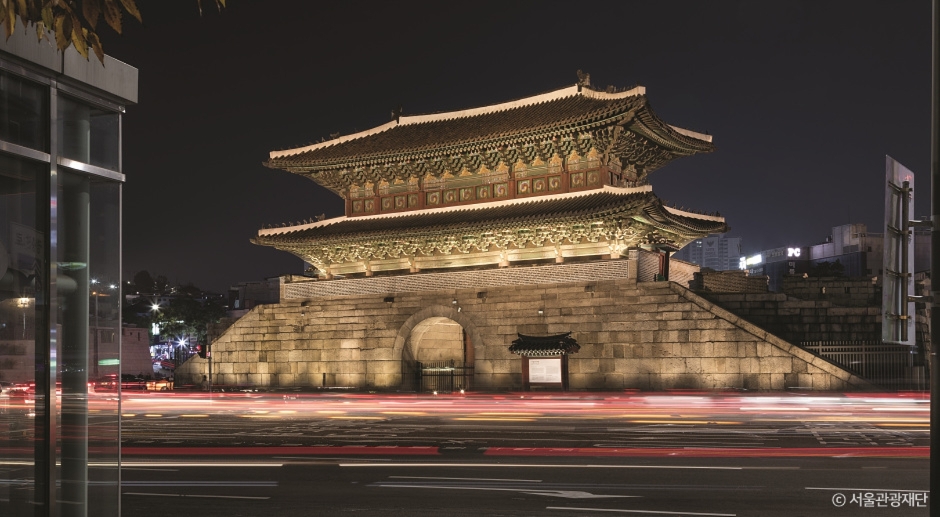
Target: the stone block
pixel 613 381
pixel 671 365
pixel 776 365
pixel 583 365
pixel 698 350
pixel 645 366
pixel 637 381
pixel 664 350
pixel 725 349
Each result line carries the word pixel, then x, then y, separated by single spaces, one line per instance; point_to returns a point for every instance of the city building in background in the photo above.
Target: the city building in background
pixel 858 252
pixel 60 235
pixel 718 252
pixel 244 296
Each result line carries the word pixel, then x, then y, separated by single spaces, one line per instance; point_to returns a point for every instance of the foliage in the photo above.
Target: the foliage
pixel 143 282
pixel 72 22
pixel 822 269
pixel 186 316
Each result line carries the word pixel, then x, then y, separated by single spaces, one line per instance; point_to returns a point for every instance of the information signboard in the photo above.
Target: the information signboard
pixel 546 370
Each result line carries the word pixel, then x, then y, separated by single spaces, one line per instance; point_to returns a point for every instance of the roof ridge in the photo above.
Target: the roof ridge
pixel 561 93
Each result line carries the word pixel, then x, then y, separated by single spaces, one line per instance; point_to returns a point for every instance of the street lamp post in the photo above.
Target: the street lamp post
pixel 23 303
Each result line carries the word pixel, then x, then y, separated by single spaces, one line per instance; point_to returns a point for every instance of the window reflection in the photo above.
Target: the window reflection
pixel 88 134
pixel 24 112
pixel 21 261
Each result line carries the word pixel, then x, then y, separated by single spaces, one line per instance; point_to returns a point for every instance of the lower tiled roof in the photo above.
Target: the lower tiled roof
pixel 593 204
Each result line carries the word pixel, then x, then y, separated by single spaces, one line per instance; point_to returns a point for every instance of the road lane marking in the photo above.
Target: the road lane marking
pixel 660 512
pixel 864 489
pixel 203 496
pixel 569 494
pixel 467 479
pixel 140 464
pixel 200 483
pixel 530 465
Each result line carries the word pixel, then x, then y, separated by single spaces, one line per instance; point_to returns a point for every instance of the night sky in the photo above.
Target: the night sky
pixel 804 100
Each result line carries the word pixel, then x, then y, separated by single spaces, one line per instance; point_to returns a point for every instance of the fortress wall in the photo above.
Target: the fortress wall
pixel 646 335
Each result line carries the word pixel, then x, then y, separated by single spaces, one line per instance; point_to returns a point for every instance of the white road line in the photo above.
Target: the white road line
pixel 536 465
pixel 467 479
pixel 864 489
pixel 200 495
pixel 138 464
pixel 570 494
pixel 637 511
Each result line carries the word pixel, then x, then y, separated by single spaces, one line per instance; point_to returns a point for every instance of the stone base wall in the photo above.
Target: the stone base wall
pixel 798 321
pixel 646 335
pixel 845 292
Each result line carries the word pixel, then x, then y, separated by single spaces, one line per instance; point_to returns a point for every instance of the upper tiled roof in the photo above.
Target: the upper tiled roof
pixel 569 109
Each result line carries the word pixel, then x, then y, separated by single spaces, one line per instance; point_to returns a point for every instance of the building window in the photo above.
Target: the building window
pixel 24 112
pixel 88 134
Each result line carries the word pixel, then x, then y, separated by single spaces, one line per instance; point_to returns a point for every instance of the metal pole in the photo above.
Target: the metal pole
pixel 935 260
pixel 209 355
pixel 905 239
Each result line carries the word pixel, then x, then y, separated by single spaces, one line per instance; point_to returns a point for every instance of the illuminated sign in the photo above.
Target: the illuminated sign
pixel 744 262
pixel 793 252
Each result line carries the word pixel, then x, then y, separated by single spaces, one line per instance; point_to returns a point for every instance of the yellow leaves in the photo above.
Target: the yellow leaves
pixel 219 4
pixel 112 15
pixel 63 31
pixel 92 38
pixel 132 9
pixel 79 39
pixel 91 10
pixel 73 22
pixel 47 16
pixel 9 16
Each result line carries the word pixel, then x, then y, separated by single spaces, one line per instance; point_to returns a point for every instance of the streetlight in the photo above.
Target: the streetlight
pixel 97 295
pixel 23 303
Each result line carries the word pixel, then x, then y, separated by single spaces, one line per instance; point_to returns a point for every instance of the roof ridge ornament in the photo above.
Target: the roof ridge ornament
pixel 584 79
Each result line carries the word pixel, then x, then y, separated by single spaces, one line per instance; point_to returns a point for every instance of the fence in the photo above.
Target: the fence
pixel 889 366
pixel 443 377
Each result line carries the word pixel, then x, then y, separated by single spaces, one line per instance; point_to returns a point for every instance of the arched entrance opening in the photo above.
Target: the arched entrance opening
pixel 438 356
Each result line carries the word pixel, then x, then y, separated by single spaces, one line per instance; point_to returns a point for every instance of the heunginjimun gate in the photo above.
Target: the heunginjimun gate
pixel 546 179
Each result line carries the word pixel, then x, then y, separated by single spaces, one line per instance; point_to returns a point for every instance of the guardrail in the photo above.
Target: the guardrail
pixel 890 366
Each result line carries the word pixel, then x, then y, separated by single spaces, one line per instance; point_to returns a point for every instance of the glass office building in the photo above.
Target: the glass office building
pixel 60 249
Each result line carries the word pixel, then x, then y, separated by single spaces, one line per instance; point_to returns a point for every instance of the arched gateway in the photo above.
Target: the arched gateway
pixel 437 349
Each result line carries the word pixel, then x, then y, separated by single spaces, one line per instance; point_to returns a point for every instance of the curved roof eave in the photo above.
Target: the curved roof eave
pixel 561 93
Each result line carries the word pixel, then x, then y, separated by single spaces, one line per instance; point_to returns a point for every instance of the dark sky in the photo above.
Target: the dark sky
pixel 804 100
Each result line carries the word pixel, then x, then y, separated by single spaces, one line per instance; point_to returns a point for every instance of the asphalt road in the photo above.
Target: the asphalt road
pixel 254 454
pixel 381 486
pixel 249 454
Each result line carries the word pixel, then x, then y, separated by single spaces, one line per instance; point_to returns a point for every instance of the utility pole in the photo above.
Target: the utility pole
pixel 935 261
